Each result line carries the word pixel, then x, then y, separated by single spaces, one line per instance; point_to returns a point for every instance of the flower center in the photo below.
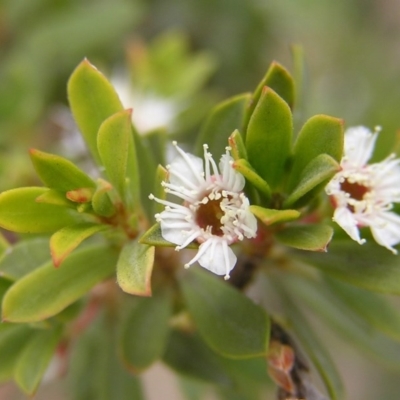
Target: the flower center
pixel 208 216
pixel 354 189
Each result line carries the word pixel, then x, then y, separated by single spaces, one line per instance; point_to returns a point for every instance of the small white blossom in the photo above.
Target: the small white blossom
pixel 150 111
pixel 363 194
pixel 214 211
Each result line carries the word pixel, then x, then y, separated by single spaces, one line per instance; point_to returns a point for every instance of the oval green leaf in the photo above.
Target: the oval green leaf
pixel 92 99
pixel 35 358
pixel 46 291
pixel 306 237
pixel 369 266
pixel 187 354
pixel 269 216
pixel 223 120
pixel 134 268
pixel 117 152
pixel 24 257
pixel 145 331
pixel 69 238
pixel 13 338
pixel 269 137
pixel 321 134
pixel 228 321
pixel 238 148
pixel 314 176
pixel 277 78
pixel 248 172
pixel 315 350
pixel 372 307
pixel 19 212
pixel 59 173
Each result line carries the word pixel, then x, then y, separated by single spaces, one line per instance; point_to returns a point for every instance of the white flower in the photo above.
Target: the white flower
pixel 214 210
pixel 363 194
pixel 150 111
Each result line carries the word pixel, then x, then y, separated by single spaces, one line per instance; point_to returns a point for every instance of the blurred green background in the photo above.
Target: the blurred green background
pixel 351 52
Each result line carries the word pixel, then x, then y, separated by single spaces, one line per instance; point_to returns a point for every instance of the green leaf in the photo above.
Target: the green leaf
pixel 153 237
pixel 24 257
pixel 67 239
pixel 92 100
pixel 56 198
pixel 229 322
pixel 12 341
pixel 248 172
pixel 369 266
pixel 117 152
pixel 238 148
pixel 134 268
pixel 321 134
pixel 35 358
pixel 101 201
pixel 278 79
pixel 19 212
pixel 315 350
pixel 318 299
pixel 94 357
pixel 187 354
pixel 372 307
pixel 269 216
pixel 306 237
pixel 59 173
pixel 315 175
pixel 4 286
pixel 46 291
pixel 144 332
pixel 223 120
pixel 269 137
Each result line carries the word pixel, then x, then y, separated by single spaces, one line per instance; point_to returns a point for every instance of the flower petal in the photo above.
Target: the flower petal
pixel 232 180
pixel 386 230
pixel 175 229
pixel 218 258
pixel 345 218
pixel 359 144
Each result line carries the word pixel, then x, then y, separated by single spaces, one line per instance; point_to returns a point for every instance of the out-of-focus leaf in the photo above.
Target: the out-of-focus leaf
pixel 59 173
pixel 117 152
pixel 317 298
pixel 321 134
pixel 69 238
pixel 35 358
pixel 187 354
pixel 269 216
pixel 24 257
pixel 373 307
pixel 12 342
pixel 315 350
pixel 56 198
pixel 306 237
pixel 134 268
pixel 107 380
pixel 20 212
pixel 223 120
pixel 46 291
pixel 317 172
pixel 278 79
pixel 369 266
pixel 238 148
pixel 92 99
pixel 4 286
pixel 248 172
pixel 229 322
pixel 269 137
pixel 145 331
